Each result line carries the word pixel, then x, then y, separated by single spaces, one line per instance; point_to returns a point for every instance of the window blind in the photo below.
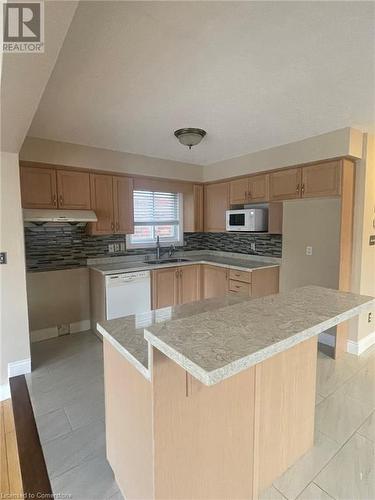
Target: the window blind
pixel 154 208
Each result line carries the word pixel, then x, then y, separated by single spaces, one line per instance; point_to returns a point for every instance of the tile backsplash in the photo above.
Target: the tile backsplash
pixel 65 246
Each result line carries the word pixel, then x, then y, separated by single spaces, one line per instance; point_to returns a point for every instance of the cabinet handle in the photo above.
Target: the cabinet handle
pixel 302 188
pixel 54 200
pixel 181 273
pixel 249 195
pixel 112 226
pixel 177 273
pixel 61 200
pixel 297 188
pixel 117 226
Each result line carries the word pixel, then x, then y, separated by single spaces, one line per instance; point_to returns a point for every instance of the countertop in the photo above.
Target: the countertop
pixel 217 338
pixel 228 262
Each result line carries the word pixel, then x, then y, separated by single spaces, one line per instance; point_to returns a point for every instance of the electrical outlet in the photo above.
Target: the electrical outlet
pixel 111 248
pixel 369 317
pixel 308 250
pixel 252 246
pixel 3 257
pixel 117 247
pixel 122 247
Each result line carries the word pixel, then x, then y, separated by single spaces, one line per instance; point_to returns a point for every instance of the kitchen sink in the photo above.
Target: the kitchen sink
pixel 165 261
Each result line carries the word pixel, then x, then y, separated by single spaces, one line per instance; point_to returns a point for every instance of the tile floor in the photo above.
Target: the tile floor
pixel 66 389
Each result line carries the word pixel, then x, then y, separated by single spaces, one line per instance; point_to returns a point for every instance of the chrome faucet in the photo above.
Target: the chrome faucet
pixel 171 250
pixel 157 249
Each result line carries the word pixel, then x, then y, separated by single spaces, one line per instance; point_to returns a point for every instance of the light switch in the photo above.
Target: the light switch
pixel 308 250
pixel 3 257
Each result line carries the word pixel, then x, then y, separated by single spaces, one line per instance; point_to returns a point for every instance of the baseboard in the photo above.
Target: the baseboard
pixel 353 347
pixel 20 367
pixel 53 332
pixel 4 392
pixel 362 345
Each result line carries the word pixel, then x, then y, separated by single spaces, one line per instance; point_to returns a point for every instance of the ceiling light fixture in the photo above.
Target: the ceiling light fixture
pixel 190 136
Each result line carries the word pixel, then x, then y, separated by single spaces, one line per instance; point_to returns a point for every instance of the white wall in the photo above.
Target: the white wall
pixel 314 223
pixel 63 153
pixel 342 142
pixel 14 332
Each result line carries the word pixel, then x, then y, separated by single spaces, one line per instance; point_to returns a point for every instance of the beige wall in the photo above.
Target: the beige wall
pixel 343 142
pixel 14 334
pixel 310 223
pixel 363 276
pixel 63 153
pixel 58 297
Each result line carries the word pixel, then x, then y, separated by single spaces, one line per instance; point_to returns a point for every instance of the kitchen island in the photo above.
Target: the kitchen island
pixel 216 398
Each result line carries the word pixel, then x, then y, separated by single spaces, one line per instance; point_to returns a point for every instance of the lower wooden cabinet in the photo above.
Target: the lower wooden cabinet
pixel 215 281
pixel 175 285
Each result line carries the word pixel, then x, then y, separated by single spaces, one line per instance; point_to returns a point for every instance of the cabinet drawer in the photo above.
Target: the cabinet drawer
pixel 240 287
pixel 244 276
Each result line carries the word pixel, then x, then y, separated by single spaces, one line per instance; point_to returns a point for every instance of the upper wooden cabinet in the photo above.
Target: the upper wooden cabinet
pixel 285 184
pixel 53 188
pixel 175 285
pixel 123 205
pixel 252 189
pixel 102 204
pixel 215 281
pixel 38 187
pixel 216 203
pixel 258 188
pixel 73 190
pixel 323 179
pixel 112 201
pixel 193 209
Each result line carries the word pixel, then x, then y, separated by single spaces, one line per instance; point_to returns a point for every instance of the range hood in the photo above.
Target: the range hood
pixel 41 215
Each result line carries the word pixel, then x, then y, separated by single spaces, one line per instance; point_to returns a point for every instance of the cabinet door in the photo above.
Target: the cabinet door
pixel 215 281
pixel 189 284
pixel 321 180
pixel 238 191
pixel 193 210
pixel 73 190
pixel 165 283
pixel 285 184
pixel 216 203
pixel 38 187
pixel 264 281
pixel 258 188
pixel 102 204
pixel 123 205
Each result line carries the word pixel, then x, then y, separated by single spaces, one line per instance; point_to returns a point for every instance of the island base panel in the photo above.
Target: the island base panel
pixel 175 438
pixel 128 414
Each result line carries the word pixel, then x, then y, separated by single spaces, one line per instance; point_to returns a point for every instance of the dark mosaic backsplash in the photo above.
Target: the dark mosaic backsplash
pixel 65 246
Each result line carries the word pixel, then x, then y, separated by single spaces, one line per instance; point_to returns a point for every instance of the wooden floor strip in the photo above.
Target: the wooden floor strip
pixel 10 478
pixel 34 474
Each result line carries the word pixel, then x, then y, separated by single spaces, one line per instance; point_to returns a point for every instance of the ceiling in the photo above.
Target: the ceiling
pixel 252 74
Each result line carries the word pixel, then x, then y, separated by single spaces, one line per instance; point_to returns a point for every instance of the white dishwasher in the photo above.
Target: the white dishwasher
pixel 127 293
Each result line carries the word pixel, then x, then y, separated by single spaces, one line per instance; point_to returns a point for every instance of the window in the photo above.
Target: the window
pixel 156 214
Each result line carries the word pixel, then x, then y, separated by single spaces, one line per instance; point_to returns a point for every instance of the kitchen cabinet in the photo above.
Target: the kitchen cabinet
pixel 73 190
pixel 193 209
pixel 258 188
pixel 38 187
pixel 253 189
pixel 102 204
pixel 54 188
pixel 112 201
pixel 165 287
pixel 323 179
pixel 175 285
pixel 216 203
pixel 215 281
pixel 264 281
pixel 123 205
pixel 285 184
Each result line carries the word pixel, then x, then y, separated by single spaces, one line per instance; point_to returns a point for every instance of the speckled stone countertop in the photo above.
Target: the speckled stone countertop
pixel 127 334
pixel 217 260
pixel 214 343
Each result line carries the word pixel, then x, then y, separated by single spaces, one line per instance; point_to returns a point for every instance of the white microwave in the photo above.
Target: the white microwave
pixel 247 219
